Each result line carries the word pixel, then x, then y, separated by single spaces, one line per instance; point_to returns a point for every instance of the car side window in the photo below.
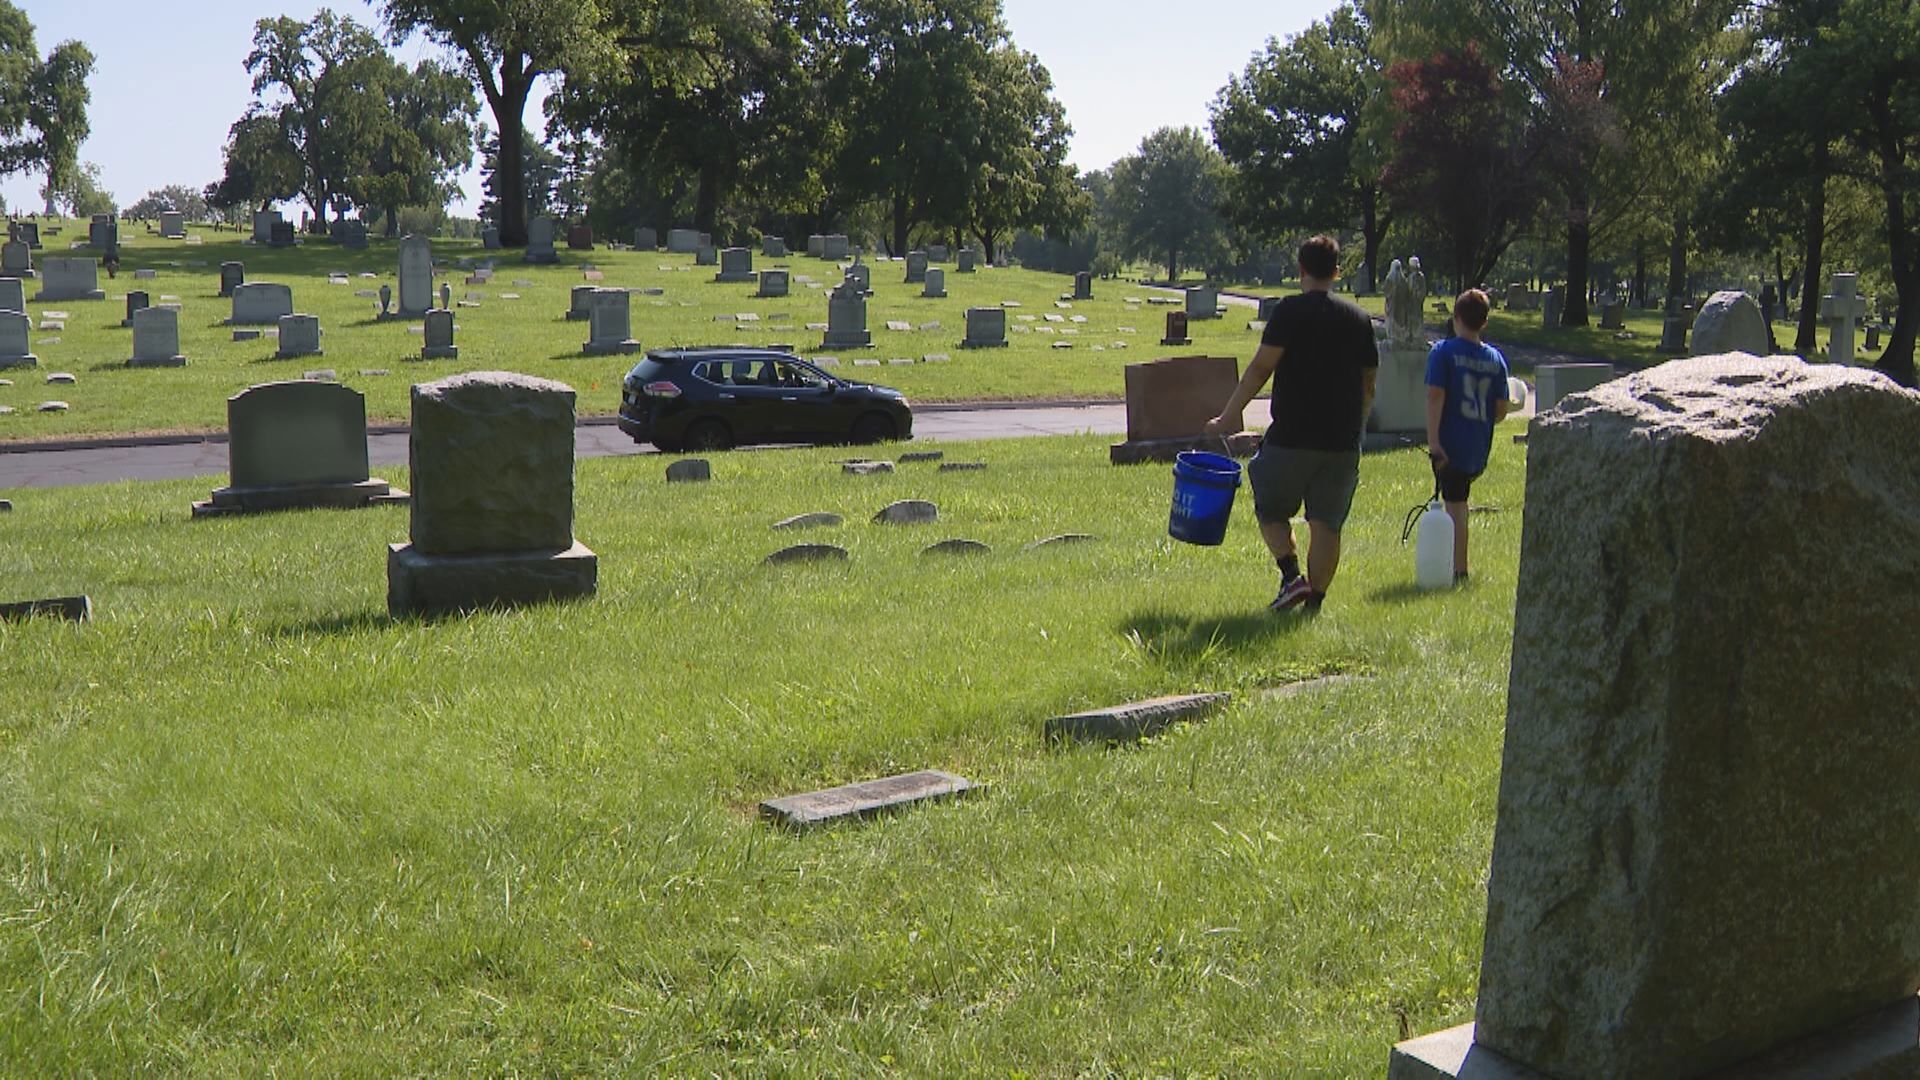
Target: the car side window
pixel 796 376
pixel 709 373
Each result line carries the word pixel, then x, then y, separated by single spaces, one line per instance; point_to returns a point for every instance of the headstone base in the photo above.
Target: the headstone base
pixel 579 315
pixel 1176 341
pixel 941 295
pixel 440 352
pixel 739 278
pixel 158 361
pixel 548 258
pixel 255 500
pixel 23 275
pixel 1241 444
pixel 28 360
pixel 625 347
pixel 984 344
pixel 421 584
pixel 1878 1046
pixel 861 340
pixel 43 297
pixel 295 354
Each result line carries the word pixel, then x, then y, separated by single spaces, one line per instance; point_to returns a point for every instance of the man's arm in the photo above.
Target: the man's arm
pixel 1369 380
pixel 1259 370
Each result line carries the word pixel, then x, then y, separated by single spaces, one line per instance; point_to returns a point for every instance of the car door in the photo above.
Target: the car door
pixel 752 400
pixel 805 402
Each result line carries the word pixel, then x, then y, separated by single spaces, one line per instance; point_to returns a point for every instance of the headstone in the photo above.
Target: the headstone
pixel 1176 329
pixel 908 512
pixel 281 235
pixel 773 283
pixel 1840 309
pixel 1613 313
pixel 580 238
pixel 173 225
pixel 136 301
pixel 916 267
pixel 864 799
pixel 610 329
pixel 70 279
pixel 71 608
pixel 859 276
pixel 986 328
pixel 1203 302
pixel 416 276
pixel 492 518
pixel 1873 338
pixel 297 445
pixel 838 247
pixel 13 295
pixel 1519 297
pixel 817 246
pixel 490 238
pixel 439 337
pixel 104 235
pixel 156 337
pixel 847 320
pixel 1174 398
pixel 817 520
pixel 1551 308
pixel 682 241
pixel 806 553
pixel 263 223
pixel 957 547
pixel 580 303
pixel 706 240
pixel 232 276
pixel 690 471
pixel 646 239
pixel 1083 285
pixel 736 265
pixel 965 260
pixel 353 236
pixel 15 340
pixel 27 232
pixel 773 247
pixel 936 284
pixel 299 336
pixel 540 243
pixel 1135 721
pixel 16 260
pixel 1673 330
pixel 706 255
pixel 1704 855
pixel 938 253
pixel 1730 322
pixel 261 303
pixel 1553 382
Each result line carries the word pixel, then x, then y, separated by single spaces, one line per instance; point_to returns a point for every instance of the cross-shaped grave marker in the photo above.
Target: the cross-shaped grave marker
pixel 1840 310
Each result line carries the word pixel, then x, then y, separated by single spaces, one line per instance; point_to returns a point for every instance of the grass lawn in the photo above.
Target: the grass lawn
pixel 249 825
pixel 531 334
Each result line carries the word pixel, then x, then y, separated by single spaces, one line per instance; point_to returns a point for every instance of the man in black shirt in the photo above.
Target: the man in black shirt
pixel 1319 351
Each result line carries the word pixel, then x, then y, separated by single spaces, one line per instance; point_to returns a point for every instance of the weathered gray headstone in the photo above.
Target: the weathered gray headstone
pixel 261 303
pixel 646 239
pixel 1613 314
pixel 13 295
pixel 263 223
pixel 907 512
pixel 847 320
pixel 156 337
pixel 297 444
pixel 1552 382
pixel 353 236
pixel 136 300
pixel 232 276
pixel 1133 722
pixel 936 284
pixel 799 553
pixel 859 276
pixel 690 471
pixel 1708 834
pixel 706 255
pixel 173 225
pixel 492 520
pixel 16 260
pixel 864 799
pixel 490 238
pixel 1730 322
pixel 580 303
pixel 682 241
pixel 540 242
pixel 610 327
pixel 27 232
pixel 773 247
pixel 1203 302
pixel 439 337
pixel 1083 285
pixel 965 260
pixel 1552 306
pixel 281 235
pixel 817 520
pixel 837 247
pixel 104 235
pixel 16 349
pixel 736 265
pixel 299 336
pixel 957 547
pixel 986 328
pixel 916 267
pixel 416 276
pixel 67 278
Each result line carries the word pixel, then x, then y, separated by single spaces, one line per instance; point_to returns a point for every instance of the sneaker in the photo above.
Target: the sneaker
pixel 1292 594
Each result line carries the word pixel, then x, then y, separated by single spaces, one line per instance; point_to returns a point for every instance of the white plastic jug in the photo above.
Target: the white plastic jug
pixel 1433 550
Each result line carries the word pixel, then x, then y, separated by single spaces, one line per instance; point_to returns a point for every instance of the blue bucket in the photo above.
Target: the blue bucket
pixel 1203 487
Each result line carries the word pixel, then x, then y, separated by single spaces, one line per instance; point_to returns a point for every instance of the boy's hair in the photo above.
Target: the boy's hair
pixel 1471 309
pixel 1320 257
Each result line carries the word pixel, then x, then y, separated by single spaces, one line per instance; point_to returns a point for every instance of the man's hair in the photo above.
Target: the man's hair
pixel 1320 257
pixel 1471 309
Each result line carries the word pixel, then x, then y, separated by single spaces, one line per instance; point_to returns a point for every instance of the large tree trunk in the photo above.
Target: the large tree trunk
pixel 1902 255
pixel 1677 293
pixel 902 221
pixel 1639 299
pixel 1814 239
pixel 706 202
pixel 1579 250
pixel 1173 266
pixel 510 165
pixel 1373 231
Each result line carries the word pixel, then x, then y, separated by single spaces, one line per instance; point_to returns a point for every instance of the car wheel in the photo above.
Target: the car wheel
pixel 708 435
pixel 873 428
pixel 665 446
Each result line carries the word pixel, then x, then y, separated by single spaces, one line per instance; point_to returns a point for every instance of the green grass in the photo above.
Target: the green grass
pixel 531 334
pixel 250 825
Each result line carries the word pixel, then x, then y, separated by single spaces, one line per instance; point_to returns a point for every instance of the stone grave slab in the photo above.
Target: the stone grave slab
pixel 957 546
pixel 865 799
pixel 70 608
pixel 805 553
pixel 1133 722
pixel 816 520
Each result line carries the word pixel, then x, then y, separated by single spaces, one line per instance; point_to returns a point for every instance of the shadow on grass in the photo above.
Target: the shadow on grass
pixel 1406 592
pixel 333 625
pixel 1184 637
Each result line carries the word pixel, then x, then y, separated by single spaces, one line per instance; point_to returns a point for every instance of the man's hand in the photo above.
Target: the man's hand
pixel 1219 426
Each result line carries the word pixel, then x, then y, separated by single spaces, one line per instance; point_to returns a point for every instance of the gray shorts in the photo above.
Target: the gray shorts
pixel 1283 479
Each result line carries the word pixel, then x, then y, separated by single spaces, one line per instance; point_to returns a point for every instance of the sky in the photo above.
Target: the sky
pixel 166 85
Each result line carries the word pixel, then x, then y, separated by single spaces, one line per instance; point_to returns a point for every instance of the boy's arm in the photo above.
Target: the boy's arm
pixel 1436 405
pixel 1259 370
pixel 1501 408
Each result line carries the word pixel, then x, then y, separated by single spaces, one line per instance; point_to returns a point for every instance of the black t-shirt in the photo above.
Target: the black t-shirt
pixel 1317 391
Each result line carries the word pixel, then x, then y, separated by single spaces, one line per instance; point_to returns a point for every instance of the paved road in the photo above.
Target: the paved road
pixel 173 460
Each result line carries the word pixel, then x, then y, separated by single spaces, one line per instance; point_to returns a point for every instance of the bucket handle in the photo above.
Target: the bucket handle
pixel 1413 515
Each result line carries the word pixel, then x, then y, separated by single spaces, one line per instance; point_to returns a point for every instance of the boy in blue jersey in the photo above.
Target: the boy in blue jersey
pixel 1466 397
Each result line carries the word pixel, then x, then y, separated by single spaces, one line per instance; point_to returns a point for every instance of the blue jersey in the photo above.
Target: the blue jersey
pixel 1474 375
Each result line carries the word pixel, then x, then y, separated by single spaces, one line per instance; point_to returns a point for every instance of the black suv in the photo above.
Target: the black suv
pixel 710 399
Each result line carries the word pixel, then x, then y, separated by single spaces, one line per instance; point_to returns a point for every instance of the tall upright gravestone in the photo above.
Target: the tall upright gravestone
pixel 1707 850
pixel 540 250
pixel 492 463
pixel 156 337
pixel 297 445
pixel 416 276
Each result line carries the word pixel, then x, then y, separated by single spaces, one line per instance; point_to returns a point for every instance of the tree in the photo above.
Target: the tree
pixel 19 66
pixel 314 80
pixel 504 46
pixel 261 165
pixel 426 138
pixel 1293 126
pixel 59 110
pixel 540 170
pixel 172 197
pixel 1020 176
pixel 1165 199
pixel 1462 159
pixel 79 193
